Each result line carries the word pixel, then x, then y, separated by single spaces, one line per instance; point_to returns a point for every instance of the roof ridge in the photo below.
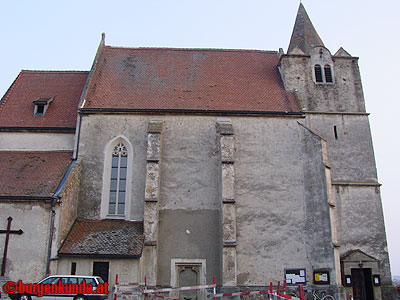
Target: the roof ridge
pixel 53 71
pixel 193 49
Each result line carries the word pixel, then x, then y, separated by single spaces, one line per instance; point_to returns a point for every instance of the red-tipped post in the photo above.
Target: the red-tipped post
pixel 301 292
pixel 215 285
pixel 271 288
pixel 145 286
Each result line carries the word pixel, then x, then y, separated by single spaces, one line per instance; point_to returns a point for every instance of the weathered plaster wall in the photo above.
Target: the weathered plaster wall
pixel 92 153
pixel 190 234
pixel 36 141
pixel 270 178
pixel 274 209
pixel 27 253
pixel 351 155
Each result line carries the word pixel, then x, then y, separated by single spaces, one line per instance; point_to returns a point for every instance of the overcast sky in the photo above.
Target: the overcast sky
pixel 64 35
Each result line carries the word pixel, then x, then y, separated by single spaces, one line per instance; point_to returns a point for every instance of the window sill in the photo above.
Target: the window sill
pixel 323 83
pixel 121 217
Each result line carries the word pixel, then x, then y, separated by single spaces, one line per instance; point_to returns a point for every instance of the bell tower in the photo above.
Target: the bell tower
pixel 323 82
pixel 329 89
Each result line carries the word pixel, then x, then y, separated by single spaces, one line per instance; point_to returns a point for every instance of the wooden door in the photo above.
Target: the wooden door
pixel 362 284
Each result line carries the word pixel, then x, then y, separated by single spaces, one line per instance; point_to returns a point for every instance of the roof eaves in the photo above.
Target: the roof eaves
pixel 25 198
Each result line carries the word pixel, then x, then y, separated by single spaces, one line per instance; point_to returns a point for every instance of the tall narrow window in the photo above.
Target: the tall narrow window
pixel 73 268
pixel 318 73
pixel 328 73
pixel 119 165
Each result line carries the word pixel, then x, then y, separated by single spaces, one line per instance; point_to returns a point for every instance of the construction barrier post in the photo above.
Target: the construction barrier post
pixel 145 287
pixel 214 289
pixel 116 278
pixel 279 287
pixel 301 292
pixel 284 287
pixel 271 289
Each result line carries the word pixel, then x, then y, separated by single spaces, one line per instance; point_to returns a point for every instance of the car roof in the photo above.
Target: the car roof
pixel 74 276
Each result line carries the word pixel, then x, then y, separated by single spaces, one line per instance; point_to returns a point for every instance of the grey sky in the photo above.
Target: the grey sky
pixel 64 35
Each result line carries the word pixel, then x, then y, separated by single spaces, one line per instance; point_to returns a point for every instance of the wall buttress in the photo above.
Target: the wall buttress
pixel 227 146
pixel 151 206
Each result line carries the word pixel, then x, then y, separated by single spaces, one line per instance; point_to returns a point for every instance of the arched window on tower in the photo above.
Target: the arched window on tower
pixel 119 166
pixel 318 73
pixel 328 74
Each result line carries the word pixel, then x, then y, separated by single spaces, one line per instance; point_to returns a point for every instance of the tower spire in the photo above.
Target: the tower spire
pixel 304 36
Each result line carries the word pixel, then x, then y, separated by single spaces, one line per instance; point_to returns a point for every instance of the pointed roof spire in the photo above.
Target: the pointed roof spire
pixel 304 36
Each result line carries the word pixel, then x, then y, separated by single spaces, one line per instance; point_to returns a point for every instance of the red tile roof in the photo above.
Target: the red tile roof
pixel 16 107
pixel 32 173
pixel 104 237
pixel 188 79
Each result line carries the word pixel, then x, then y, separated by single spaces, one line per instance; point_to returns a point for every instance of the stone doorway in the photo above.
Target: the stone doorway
pixel 358 270
pixel 188 272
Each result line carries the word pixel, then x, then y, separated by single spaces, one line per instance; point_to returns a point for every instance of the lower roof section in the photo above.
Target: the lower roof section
pixel 32 174
pixel 106 238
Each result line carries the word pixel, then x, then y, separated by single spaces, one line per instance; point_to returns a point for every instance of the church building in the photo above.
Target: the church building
pixel 176 166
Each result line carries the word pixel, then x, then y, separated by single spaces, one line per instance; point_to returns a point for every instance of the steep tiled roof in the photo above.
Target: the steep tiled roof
pixel 16 107
pixel 188 79
pixel 32 173
pixel 104 237
pixel 304 36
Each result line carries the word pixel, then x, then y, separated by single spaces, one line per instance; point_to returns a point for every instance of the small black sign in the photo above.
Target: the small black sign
pixel 321 277
pixel 295 276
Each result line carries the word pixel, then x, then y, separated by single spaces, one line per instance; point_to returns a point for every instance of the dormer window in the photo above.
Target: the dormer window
pixel 323 75
pixel 41 105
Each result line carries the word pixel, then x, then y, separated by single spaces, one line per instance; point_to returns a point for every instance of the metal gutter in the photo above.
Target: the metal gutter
pixel 40 129
pixel 189 111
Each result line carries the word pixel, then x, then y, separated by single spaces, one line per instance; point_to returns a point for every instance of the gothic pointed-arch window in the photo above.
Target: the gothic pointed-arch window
pixel 119 167
pixel 318 73
pixel 117 177
pixel 328 74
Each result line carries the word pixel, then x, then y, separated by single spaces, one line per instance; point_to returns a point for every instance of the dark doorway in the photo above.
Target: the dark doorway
pixel 362 284
pixel 101 269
